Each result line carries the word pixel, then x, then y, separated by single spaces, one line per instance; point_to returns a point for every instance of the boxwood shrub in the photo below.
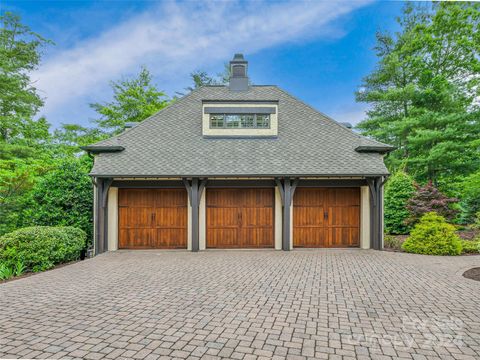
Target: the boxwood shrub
pixel 433 236
pixel 41 247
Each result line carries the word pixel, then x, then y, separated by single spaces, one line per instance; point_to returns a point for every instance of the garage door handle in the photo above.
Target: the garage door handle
pixel 325 215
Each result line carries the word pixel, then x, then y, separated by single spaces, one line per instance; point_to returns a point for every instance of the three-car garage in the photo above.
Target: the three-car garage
pixel 238 218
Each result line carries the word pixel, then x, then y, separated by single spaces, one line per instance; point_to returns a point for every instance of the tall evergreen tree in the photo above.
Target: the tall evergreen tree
pixel 133 101
pixel 424 91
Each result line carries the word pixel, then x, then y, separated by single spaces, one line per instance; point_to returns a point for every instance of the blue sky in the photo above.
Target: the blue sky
pixel 318 51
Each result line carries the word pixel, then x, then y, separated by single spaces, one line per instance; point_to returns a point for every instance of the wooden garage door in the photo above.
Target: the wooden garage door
pixel 326 217
pixel 240 218
pixel 152 219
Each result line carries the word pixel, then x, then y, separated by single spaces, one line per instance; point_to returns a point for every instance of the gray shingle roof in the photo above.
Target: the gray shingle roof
pixel 170 143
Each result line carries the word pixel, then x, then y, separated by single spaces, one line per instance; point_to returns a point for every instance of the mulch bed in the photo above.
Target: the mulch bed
pixel 473 274
pixel 27 274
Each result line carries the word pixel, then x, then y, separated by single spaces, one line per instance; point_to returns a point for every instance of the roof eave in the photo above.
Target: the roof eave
pixel 375 149
pixel 102 149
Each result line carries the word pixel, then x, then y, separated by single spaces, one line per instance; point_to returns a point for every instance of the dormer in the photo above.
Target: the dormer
pixel 234 118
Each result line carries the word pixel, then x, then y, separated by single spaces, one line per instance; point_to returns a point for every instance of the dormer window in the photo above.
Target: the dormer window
pixel 239 121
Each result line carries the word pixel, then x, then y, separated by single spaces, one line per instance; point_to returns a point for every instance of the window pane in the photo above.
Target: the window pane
pixel 248 121
pixel 216 121
pixel 232 120
pixel 263 121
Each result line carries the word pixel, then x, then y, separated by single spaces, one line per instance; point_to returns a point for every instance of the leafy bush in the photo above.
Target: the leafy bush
pixel 470 246
pixel 6 272
pixel 433 236
pixel 41 247
pixel 427 199
pixel 63 197
pixel 392 242
pixel 398 190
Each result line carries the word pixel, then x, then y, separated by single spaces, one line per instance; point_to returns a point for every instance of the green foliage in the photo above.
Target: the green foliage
pixel 470 246
pixel 392 242
pixel 469 193
pixel 424 90
pixel 398 190
pixel 6 272
pixel 433 236
pixel 427 199
pixel 19 56
pixel 63 197
pixel 42 247
pixel 133 101
pixel 19 268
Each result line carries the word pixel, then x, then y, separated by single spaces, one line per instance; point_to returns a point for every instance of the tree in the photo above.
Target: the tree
pixel 398 190
pixel 470 197
pixel 19 55
pixel 427 199
pixel 424 92
pixel 133 101
pixel 202 78
pixel 63 197
pixel 69 137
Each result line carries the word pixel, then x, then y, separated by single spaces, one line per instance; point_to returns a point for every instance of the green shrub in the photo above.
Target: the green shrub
pixel 398 190
pixel 63 197
pixel 470 246
pixel 392 242
pixel 433 236
pixel 40 248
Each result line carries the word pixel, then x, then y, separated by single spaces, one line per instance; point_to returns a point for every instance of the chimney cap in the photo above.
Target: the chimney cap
pixel 238 58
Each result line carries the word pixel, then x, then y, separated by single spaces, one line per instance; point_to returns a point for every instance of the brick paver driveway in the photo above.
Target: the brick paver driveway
pixel 245 305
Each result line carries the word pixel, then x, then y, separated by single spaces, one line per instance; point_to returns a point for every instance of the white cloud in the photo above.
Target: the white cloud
pixel 175 38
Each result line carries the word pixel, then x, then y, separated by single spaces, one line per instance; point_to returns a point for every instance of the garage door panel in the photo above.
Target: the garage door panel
pixel 173 238
pixel 222 237
pixel 326 217
pixel 308 216
pixel 153 218
pixel 342 236
pixel 344 197
pixel 171 217
pixel 136 198
pixel 222 217
pixel 168 198
pixel 256 237
pixel 224 198
pixel 136 217
pixel 346 216
pixel 136 238
pixel 239 218
pixel 313 197
pixel 310 237
pixel 257 217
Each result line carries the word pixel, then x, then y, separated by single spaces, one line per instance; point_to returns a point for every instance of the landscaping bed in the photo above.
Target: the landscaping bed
pixel 473 274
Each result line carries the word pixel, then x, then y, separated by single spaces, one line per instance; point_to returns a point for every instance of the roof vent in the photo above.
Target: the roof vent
pixel 346 124
pixel 238 73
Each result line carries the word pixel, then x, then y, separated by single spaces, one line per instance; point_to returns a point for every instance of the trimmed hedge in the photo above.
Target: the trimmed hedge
pixel 41 247
pixel 433 236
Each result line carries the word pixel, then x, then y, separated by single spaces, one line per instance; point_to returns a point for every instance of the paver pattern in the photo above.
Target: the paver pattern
pixel 304 304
